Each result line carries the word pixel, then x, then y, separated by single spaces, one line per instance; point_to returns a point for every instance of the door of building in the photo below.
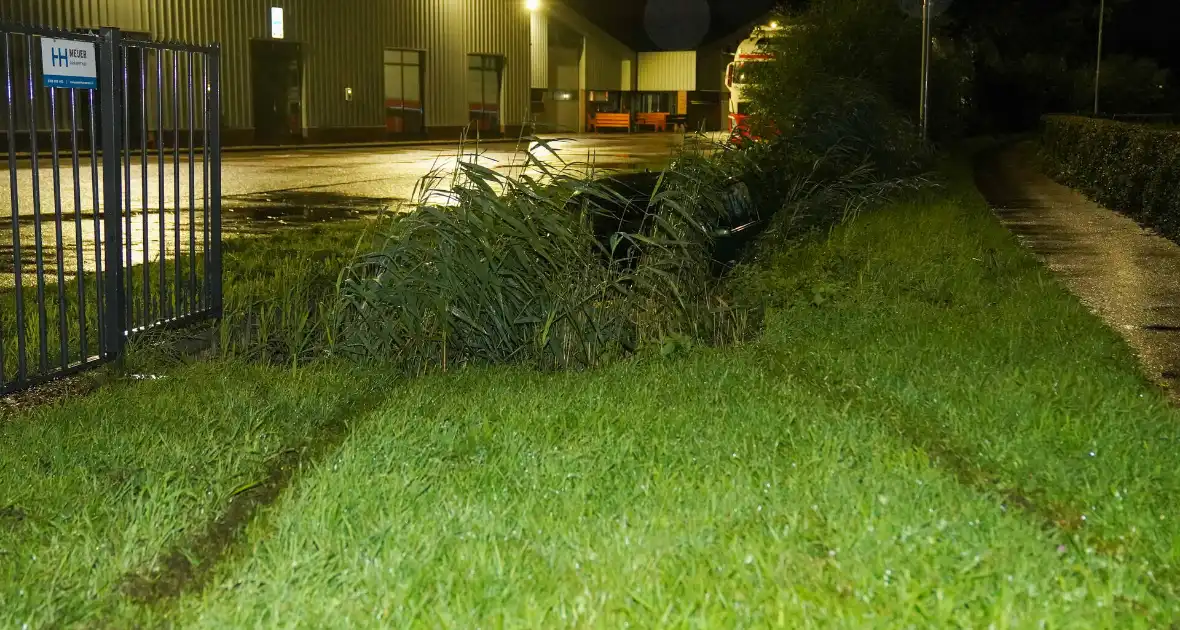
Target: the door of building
pixel 704 111
pixel 277 78
pixel 405 114
pixel 484 76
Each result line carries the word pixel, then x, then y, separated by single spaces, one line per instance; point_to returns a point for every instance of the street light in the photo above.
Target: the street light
pixel 532 5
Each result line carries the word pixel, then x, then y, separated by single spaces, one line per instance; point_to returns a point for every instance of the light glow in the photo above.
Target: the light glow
pixel 276 22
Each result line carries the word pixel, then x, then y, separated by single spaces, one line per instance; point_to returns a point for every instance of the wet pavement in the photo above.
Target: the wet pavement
pixel 266 191
pixel 1126 274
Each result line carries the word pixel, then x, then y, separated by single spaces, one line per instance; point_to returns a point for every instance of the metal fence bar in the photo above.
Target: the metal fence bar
pixel 22 370
pixel 143 171
pixel 83 345
pixel 99 283
pixel 174 307
pixel 12 174
pixel 206 252
pixel 192 191
pixel 128 236
pixel 214 124
pixel 160 178
pixel 110 91
pixel 42 325
pixel 55 160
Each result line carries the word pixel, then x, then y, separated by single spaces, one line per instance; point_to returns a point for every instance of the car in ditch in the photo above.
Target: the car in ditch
pixel 626 204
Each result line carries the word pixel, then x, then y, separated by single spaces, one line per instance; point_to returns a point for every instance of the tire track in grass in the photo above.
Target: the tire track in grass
pixel 913 429
pixel 188 566
pixel 1054 516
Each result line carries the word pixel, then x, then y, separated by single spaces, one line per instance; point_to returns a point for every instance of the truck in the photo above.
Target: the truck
pixel 754 49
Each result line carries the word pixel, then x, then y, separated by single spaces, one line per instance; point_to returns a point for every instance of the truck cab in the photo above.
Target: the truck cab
pixel 754 49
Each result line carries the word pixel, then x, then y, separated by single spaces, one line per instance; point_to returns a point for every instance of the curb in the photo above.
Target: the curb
pixel 276 148
pixel 361 145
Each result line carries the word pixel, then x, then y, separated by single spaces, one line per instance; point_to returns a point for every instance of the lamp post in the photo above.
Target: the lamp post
pixel 1098 62
pixel 924 105
pixel 927 10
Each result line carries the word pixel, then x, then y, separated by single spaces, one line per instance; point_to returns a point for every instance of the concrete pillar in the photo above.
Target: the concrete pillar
pixel 582 89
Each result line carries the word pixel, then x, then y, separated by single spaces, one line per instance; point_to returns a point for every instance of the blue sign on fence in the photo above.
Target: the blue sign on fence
pixel 66 63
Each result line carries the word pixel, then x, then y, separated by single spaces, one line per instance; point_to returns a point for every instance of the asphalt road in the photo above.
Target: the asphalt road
pixel 324 180
pixel 264 191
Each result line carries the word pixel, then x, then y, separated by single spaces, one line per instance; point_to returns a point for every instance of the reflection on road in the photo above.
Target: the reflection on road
pixel 262 192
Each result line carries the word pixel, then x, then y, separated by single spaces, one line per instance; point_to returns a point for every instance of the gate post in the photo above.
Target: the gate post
pixel 214 127
pixel 110 93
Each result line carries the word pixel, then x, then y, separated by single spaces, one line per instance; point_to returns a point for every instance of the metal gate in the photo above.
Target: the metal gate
pixel 113 190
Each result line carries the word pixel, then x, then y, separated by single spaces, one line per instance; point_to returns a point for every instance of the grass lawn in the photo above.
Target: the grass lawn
pixel 94 490
pixel 931 432
pixel 272 268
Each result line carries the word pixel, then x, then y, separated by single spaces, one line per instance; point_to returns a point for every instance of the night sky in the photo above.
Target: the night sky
pixel 1138 27
pixel 642 23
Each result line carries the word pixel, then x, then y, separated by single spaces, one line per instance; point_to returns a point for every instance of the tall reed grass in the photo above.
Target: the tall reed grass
pixel 501 268
pixel 510 263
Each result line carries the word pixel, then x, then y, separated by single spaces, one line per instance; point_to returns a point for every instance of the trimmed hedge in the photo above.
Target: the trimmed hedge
pixel 1130 168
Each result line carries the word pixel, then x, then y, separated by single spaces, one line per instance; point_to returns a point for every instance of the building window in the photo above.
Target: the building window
pixel 404 112
pixel 484 76
pixel 657 102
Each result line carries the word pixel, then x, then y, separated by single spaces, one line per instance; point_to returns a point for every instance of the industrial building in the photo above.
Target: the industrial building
pixel 579 69
pixel 311 71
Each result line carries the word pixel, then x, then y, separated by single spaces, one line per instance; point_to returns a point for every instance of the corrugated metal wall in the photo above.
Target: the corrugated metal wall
pixel 604 54
pixel 603 66
pixel 342 47
pixel 668 71
pixel 163 77
pixel 539 51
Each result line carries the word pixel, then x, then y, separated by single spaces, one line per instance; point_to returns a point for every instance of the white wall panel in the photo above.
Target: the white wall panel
pixel 669 71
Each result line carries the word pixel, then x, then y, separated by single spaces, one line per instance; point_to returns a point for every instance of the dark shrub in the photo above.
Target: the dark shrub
pixel 1128 167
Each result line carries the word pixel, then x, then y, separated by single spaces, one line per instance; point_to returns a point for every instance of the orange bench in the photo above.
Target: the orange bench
pixel 657 120
pixel 617 121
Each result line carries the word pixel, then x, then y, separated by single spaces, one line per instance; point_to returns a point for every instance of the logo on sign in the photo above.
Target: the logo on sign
pixel 68 63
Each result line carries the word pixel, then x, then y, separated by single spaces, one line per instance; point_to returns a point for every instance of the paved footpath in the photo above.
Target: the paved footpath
pixel 1126 274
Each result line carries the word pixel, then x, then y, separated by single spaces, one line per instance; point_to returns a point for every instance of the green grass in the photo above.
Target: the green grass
pixel 68 314
pixel 105 484
pixel 93 489
pixel 258 274
pixel 912 442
